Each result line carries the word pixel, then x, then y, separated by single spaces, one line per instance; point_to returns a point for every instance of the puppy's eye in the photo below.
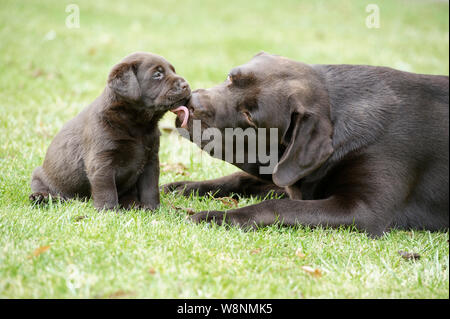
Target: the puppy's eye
pixel 157 75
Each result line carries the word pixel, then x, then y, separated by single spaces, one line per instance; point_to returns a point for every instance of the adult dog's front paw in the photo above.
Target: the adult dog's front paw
pixel 216 217
pixel 173 187
pixel 183 188
pixel 241 218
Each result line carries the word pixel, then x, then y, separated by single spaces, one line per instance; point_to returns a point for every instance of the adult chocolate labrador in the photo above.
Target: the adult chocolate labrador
pixel 360 145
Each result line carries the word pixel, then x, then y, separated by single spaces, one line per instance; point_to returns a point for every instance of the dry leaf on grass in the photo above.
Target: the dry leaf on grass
pixel 168 129
pixel 186 210
pixel 299 253
pixel 409 256
pixel 312 271
pixel 39 251
pixel 92 51
pixel 79 218
pixel 177 168
pixel 229 201
pixel 121 294
pixel 255 251
pixel 152 271
pixel 37 73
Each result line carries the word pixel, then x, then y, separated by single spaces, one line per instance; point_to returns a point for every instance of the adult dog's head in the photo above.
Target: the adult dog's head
pixel 271 92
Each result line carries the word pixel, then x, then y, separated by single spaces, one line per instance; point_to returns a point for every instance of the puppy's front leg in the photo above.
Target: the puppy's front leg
pixel 103 189
pixel 148 185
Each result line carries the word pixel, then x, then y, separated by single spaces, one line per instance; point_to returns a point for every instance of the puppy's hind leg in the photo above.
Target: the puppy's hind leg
pixel 39 188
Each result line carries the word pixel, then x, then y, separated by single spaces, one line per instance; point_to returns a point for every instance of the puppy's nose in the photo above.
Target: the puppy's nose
pixel 184 85
pixel 181 85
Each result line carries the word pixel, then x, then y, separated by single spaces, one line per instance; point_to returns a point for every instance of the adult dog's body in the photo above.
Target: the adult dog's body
pixel 360 145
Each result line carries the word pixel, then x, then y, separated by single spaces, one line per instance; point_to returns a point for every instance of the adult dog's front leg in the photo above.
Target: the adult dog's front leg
pixel 329 212
pixel 240 183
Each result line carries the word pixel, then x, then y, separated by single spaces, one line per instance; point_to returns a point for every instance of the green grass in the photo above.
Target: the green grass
pixel 48 73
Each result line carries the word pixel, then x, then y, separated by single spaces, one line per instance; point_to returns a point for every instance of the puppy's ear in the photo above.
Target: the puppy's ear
pixel 123 81
pixel 309 145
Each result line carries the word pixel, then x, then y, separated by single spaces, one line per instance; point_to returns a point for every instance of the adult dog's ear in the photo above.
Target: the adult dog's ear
pixel 123 81
pixel 309 145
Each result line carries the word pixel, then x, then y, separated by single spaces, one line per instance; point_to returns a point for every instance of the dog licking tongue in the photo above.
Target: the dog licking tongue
pixel 183 114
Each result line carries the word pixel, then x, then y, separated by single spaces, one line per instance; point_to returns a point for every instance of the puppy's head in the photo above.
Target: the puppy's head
pixel 149 80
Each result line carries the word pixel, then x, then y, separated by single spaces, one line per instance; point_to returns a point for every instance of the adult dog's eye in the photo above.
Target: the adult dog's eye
pixel 157 75
pixel 248 117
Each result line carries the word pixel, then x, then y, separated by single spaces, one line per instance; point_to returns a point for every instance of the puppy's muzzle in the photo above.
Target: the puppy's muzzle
pixel 180 87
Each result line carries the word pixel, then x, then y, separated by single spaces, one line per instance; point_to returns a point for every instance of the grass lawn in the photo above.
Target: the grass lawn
pixel 49 72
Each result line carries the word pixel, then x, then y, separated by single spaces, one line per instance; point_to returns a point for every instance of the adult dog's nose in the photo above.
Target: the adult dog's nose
pixel 194 101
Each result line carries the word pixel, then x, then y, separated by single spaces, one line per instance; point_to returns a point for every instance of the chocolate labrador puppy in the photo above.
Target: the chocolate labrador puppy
pixel 110 150
pixel 359 145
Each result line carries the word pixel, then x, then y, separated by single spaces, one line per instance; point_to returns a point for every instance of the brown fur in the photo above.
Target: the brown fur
pixel 360 145
pixel 110 150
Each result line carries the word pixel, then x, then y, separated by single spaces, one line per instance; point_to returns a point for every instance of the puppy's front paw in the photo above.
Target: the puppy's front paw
pixel 39 198
pixel 104 207
pixel 216 217
pixel 149 207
